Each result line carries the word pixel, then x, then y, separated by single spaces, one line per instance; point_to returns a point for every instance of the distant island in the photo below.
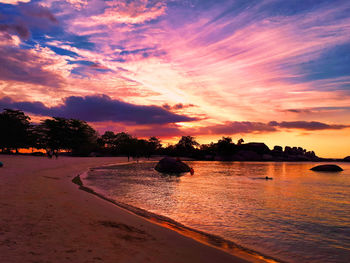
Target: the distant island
pixel 74 137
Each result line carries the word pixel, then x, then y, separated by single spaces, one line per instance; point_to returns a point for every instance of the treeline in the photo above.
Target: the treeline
pixel 68 135
pixel 78 138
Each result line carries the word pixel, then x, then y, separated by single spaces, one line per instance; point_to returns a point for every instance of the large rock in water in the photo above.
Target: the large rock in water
pixel 327 168
pixel 171 165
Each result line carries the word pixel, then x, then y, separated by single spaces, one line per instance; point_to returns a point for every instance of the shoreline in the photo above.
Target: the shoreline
pixel 184 158
pixel 198 235
pixel 44 218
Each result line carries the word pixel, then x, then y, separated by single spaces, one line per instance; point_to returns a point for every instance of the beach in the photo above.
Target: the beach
pixel 44 217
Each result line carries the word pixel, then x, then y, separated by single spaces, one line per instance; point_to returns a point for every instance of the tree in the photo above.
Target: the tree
pixel 67 134
pixel 125 144
pixel 155 142
pixel 83 138
pixel 15 128
pixel 186 145
pixel 225 146
pixel 153 145
pixel 54 134
pixel 225 140
pixel 139 147
pixel 240 141
pixel 36 137
pixel 108 139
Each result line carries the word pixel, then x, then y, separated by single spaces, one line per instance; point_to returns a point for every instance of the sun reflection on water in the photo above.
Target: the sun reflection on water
pixel 298 216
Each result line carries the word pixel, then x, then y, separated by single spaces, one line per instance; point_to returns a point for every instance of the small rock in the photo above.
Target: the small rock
pixel 327 168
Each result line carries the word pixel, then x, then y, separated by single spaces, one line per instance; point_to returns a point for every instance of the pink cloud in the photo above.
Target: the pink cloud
pixel 14 2
pixel 133 12
pixel 35 66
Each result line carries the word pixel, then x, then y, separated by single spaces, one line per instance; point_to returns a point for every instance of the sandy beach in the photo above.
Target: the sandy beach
pixel 44 217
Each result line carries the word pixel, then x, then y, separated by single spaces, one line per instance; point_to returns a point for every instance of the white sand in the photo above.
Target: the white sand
pixel 44 217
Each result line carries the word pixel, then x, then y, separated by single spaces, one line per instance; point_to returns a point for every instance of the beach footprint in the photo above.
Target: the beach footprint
pixel 127 232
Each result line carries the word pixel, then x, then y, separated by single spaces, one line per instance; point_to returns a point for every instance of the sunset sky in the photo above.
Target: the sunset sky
pixel 273 71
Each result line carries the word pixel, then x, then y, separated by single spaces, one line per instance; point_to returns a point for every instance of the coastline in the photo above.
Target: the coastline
pixel 44 218
pixel 198 235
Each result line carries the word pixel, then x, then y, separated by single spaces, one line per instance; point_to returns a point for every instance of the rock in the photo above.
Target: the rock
pixel 209 157
pixel 247 156
pixel 327 168
pixel 171 165
pixel 257 147
pixel 1 164
pixel 347 159
pixel 267 157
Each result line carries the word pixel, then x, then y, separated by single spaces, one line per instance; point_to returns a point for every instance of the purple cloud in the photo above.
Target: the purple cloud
pixel 37 11
pixel 178 106
pixel 25 17
pixel 237 127
pixel 307 125
pixel 27 66
pixel 298 110
pixel 20 29
pixel 318 109
pixel 99 109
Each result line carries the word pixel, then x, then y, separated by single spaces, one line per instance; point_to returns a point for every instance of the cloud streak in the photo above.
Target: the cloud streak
pixel 237 127
pixel 247 127
pixel 308 125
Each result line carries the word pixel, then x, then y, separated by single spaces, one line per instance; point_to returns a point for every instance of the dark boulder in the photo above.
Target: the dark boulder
pixel 1 164
pixel 327 168
pixel 347 159
pixel 247 156
pixel 171 165
pixel 257 147
pixel 267 157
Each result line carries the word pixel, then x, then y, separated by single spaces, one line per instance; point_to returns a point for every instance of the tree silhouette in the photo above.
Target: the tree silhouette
pixel 15 130
pixel 67 134
pixel 125 144
pixel 240 141
pixel 108 139
pixel 153 146
pixel 83 137
pixel 79 138
pixel 225 146
pixel 186 145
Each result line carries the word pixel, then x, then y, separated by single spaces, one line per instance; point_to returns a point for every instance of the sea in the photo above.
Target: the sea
pixel 297 216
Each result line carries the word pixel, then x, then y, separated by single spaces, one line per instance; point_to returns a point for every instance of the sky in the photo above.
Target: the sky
pixel 273 71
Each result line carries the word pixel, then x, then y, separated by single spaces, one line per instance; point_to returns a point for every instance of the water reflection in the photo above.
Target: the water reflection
pixel 299 216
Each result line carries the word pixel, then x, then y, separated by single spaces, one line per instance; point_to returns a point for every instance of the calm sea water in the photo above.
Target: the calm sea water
pixel 299 216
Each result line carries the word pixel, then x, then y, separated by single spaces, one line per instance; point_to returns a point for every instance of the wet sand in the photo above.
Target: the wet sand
pixel 44 217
